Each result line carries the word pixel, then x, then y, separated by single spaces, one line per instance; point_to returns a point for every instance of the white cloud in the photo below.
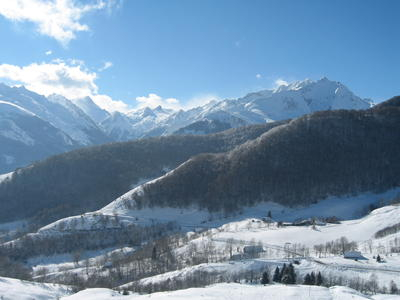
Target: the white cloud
pixel 200 100
pixel 70 79
pixel 280 82
pixel 49 52
pixel 107 103
pixel 59 77
pixel 258 76
pixel 106 65
pixel 59 19
pixel 153 100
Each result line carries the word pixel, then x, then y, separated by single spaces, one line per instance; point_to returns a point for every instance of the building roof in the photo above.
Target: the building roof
pixel 353 254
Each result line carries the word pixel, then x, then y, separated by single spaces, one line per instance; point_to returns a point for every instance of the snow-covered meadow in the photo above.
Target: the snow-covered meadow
pixel 13 290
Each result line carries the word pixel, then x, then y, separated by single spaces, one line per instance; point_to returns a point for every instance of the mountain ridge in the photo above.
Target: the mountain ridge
pixel 87 124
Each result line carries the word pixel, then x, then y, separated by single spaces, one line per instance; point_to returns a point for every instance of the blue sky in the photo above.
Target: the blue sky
pixel 184 52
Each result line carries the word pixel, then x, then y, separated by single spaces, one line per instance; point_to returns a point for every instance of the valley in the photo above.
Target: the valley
pixel 199 150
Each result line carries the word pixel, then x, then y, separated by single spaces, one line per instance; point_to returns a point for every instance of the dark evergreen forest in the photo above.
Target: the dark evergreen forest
pixel 326 153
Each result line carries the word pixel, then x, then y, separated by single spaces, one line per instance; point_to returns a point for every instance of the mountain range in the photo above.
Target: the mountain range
pixel 310 164
pixel 66 124
pixel 292 162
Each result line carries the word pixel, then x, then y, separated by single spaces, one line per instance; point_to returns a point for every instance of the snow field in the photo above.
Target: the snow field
pixel 14 289
pixel 233 291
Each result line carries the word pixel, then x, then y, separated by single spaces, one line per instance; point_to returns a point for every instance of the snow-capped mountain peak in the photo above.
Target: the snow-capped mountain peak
pixel 284 102
pixel 302 97
pixel 147 112
pixel 294 86
pixel 91 109
pixel 157 112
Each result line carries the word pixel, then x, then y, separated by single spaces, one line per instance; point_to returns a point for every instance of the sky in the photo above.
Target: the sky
pixel 182 53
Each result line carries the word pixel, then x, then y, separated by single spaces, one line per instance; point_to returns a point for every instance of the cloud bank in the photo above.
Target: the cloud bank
pixel 153 100
pixel 70 79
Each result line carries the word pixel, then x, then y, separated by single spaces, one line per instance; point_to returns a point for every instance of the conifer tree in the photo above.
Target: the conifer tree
pixel 307 279
pixel 393 288
pixel 312 278
pixel 319 280
pixel 283 270
pixel 292 274
pixel 277 275
pixel 288 275
pixel 265 278
pixel 154 253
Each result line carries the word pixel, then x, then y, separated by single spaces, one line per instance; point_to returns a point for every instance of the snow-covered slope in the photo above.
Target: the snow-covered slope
pixel 76 123
pixel 14 289
pixel 58 111
pixel 234 291
pixel 227 269
pixel 358 230
pixel 91 109
pixel 118 126
pixel 5 177
pixel 124 207
pixel 42 126
pixel 25 137
pixel 9 129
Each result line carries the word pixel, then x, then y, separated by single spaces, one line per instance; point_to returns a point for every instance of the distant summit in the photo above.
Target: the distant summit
pixel 284 102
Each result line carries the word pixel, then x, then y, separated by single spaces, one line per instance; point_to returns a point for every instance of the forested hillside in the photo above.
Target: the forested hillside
pixel 312 157
pixel 87 179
